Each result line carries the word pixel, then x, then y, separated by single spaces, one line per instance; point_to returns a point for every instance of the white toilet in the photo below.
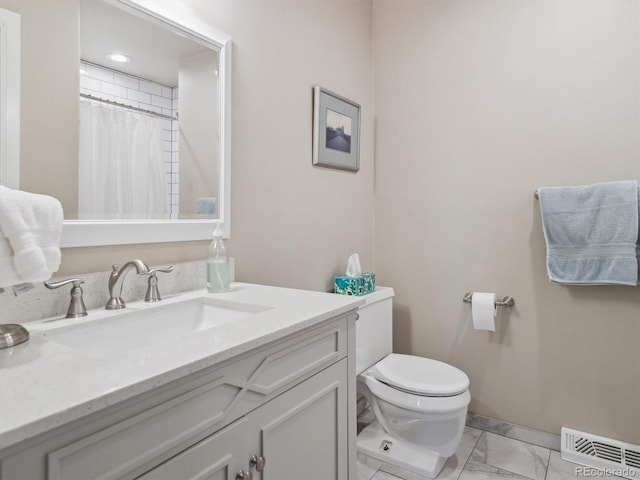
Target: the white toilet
pixel 420 404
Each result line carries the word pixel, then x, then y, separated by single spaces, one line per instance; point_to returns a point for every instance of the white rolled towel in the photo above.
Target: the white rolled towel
pixel 32 224
pixel 8 274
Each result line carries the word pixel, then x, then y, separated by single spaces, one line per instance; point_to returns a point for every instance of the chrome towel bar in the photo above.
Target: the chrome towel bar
pixel 505 302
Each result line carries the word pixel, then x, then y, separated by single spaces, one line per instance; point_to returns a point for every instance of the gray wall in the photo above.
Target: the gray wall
pixel 477 104
pixel 292 224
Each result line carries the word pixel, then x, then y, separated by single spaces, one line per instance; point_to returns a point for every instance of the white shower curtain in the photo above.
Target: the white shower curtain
pixel 121 169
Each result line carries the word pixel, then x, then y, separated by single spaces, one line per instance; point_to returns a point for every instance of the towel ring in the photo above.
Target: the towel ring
pixel 505 302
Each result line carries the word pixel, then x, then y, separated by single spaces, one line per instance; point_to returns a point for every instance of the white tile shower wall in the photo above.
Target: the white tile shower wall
pixel 110 84
pixel 175 193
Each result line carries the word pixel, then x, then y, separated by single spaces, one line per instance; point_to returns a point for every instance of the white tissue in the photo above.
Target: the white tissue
pixel 353 266
pixel 483 311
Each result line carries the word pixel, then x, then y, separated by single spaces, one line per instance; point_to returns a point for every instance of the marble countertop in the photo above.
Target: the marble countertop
pixel 46 384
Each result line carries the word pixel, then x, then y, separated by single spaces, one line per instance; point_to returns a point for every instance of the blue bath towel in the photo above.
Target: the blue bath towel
pixel 206 205
pixel 592 233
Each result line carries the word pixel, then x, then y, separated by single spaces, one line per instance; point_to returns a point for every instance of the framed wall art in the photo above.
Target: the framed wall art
pixel 336 131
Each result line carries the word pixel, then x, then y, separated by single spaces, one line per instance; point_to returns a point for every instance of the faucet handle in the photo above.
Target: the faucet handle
pixel 153 294
pixel 168 269
pixel 76 306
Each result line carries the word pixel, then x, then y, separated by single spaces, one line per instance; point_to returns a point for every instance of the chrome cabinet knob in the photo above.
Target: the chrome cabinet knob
pixel 242 475
pixel 257 462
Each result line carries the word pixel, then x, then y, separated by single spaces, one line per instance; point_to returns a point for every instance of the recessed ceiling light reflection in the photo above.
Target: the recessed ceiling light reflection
pixel 118 57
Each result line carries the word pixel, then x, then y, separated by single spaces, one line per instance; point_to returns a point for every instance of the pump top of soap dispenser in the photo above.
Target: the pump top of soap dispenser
pixel 217 248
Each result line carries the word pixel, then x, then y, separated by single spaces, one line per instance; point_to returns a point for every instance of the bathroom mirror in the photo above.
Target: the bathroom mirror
pixel 9 99
pixel 154 159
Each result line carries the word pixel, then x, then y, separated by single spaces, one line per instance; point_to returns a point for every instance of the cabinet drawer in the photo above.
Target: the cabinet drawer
pixel 213 399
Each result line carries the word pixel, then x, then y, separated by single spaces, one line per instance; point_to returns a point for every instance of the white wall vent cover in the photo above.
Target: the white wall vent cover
pixel 613 456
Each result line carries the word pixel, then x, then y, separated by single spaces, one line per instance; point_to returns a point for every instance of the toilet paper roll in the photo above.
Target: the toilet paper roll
pixel 483 311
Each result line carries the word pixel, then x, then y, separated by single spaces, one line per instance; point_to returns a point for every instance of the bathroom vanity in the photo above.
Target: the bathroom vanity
pixel 268 394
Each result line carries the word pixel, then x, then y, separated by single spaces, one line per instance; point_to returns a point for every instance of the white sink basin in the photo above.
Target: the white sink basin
pixel 134 330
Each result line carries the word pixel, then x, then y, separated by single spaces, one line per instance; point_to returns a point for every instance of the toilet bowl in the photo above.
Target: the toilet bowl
pixel 420 404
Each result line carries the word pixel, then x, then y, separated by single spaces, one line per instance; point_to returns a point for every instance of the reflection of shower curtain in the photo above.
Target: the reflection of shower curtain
pixel 121 170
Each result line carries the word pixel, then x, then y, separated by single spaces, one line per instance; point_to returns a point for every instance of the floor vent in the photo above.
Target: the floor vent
pixel 614 457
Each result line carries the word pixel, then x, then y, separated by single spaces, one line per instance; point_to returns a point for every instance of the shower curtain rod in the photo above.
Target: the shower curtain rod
pixel 128 107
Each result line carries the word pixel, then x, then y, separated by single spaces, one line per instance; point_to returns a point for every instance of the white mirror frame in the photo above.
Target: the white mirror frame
pixel 9 99
pixel 81 233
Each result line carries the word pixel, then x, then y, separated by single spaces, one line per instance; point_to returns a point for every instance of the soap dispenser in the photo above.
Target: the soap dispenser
pixel 218 264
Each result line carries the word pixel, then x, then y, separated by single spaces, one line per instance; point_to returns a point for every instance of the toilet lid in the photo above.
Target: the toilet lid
pixel 419 375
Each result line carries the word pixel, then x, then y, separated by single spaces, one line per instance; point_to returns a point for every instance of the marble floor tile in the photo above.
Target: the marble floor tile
pixel 518 432
pixel 367 466
pixel 482 471
pixel 453 468
pixel 562 470
pixel 489 424
pixel 511 455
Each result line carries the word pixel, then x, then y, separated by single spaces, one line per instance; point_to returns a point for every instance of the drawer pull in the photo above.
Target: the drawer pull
pixel 242 475
pixel 257 462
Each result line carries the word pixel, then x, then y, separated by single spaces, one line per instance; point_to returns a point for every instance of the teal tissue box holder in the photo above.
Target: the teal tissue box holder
pixel 361 285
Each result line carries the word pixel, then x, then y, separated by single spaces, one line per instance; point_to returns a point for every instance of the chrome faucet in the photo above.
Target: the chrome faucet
pixel 153 294
pixel 77 308
pixel 116 280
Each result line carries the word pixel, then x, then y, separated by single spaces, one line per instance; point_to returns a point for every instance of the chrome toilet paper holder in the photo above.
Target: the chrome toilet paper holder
pixel 505 302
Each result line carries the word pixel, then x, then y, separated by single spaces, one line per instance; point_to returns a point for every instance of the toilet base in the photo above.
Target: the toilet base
pixel 376 443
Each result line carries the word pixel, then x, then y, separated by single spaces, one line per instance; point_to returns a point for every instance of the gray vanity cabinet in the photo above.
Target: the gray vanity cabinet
pixel 218 457
pixel 291 402
pixel 301 434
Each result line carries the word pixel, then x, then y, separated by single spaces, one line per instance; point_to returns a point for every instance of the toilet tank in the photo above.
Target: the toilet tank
pixel 374 335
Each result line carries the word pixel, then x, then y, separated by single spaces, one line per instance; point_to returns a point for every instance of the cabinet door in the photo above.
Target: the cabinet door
pixel 302 434
pixel 218 457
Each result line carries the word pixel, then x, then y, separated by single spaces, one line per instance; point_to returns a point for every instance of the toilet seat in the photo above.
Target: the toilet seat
pixel 417 403
pixel 420 376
